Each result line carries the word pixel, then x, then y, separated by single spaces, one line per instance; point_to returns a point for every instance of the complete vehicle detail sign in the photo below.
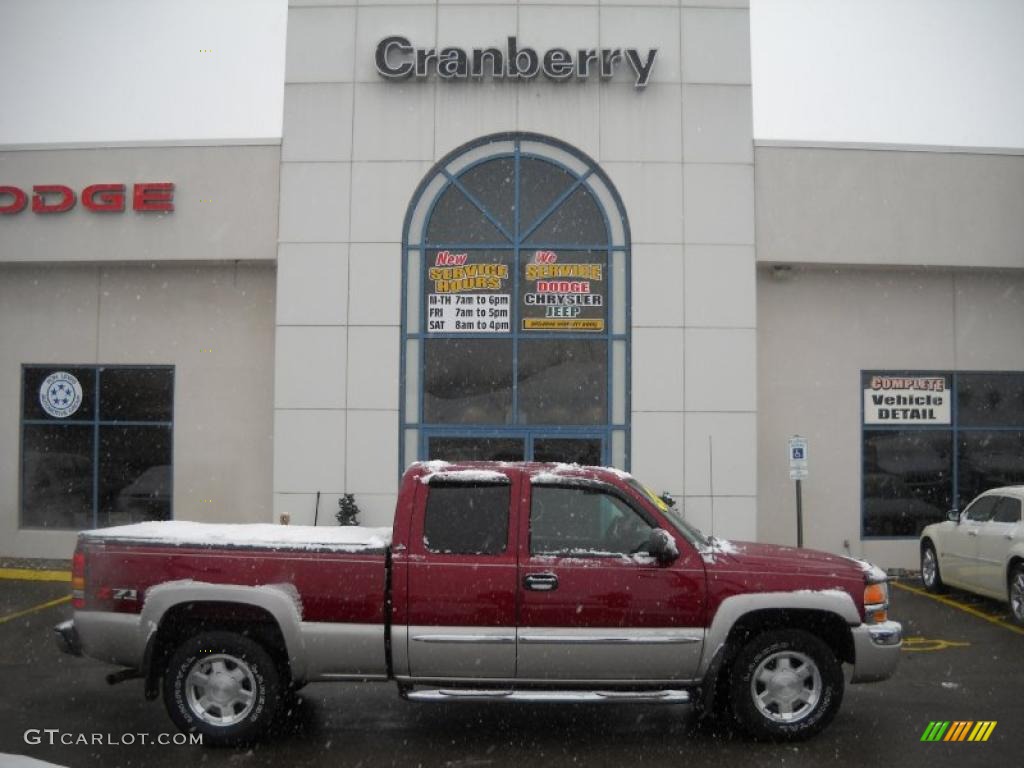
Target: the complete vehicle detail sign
pixel 397 58
pixel 896 400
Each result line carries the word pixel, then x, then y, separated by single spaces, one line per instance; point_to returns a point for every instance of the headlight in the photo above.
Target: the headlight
pixel 876 602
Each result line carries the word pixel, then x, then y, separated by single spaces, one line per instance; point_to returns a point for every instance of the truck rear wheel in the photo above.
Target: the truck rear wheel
pixel 221 685
pixel 785 685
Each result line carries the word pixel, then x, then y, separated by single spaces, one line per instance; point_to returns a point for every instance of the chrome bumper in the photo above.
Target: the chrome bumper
pixel 67 638
pixel 876 651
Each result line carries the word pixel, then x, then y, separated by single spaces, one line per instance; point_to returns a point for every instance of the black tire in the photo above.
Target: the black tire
pixel 244 688
pixel 785 669
pixel 931 577
pixel 1015 587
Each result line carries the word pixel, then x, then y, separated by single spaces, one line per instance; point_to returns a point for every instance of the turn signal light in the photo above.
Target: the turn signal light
pixel 874 594
pixel 876 603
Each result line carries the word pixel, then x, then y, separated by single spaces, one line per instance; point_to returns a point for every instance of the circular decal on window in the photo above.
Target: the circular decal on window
pixel 60 394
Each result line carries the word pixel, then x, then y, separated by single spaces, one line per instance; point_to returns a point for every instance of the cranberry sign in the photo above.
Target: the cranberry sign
pixel 156 197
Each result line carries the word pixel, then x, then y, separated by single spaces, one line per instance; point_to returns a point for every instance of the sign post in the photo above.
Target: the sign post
pixel 797 473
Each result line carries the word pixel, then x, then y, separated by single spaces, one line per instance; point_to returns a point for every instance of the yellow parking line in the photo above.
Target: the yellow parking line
pixel 965 608
pixel 29 574
pixel 34 608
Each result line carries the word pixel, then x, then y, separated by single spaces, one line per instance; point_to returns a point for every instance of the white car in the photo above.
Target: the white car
pixel 980 549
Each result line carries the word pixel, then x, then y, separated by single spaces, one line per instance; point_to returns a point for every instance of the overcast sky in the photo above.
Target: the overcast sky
pixel 942 72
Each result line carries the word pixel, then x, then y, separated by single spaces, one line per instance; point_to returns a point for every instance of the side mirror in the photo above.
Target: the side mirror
pixel 954 516
pixel 662 547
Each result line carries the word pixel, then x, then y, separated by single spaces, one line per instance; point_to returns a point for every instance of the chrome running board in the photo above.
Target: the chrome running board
pixel 572 697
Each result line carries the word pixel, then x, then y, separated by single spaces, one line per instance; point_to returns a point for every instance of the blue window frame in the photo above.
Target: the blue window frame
pixel 516 307
pixel 96 445
pixel 913 471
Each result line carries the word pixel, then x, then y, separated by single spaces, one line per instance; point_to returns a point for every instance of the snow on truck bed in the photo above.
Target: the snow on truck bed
pixel 341 538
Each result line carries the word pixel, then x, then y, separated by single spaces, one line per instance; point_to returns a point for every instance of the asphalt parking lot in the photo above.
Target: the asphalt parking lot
pixel 963 662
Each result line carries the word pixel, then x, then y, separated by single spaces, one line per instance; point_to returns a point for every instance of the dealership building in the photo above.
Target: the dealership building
pixel 510 231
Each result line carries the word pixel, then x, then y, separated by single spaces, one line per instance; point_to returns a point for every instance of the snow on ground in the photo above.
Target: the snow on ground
pixel 345 538
pixel 23 761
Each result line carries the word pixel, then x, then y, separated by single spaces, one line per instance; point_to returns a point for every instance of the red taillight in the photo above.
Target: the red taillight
pixel 78 580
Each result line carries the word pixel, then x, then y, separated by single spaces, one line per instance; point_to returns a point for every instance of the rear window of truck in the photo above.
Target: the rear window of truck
pixel 467 518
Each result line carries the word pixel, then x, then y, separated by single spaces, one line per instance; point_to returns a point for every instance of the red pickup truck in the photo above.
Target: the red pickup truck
pixel 510 582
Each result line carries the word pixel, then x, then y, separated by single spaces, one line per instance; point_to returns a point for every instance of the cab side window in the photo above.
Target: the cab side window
pixel 584 522
pixel 982 509
pixel 467 518
pixel 1008 511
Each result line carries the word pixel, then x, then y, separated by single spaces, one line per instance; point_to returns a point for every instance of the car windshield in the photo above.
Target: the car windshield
pixel 692 533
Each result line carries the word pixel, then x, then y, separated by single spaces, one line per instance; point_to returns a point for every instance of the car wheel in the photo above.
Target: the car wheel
pixel 1017 594
pixel 785 685
pixel 222 686
pixel 930 574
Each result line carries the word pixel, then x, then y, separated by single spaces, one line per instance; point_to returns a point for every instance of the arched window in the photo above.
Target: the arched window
pixel 515 310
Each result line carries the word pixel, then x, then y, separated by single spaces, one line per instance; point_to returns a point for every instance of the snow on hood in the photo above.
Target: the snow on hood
pixel 873 572
pixel 345 538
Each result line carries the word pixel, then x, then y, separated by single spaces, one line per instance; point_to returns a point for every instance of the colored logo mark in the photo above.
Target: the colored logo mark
pixel 958 730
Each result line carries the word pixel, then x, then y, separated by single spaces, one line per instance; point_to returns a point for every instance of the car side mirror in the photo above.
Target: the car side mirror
pixel 662 547
pixel 954 516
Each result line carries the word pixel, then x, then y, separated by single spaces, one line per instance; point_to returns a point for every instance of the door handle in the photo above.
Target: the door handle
pixel 541 582
pixel 972 533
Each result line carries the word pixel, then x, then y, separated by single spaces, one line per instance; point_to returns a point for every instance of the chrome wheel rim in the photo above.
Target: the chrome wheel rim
pixel 929 568
pixel 221 690
pixel 1017 596
pixel 786 686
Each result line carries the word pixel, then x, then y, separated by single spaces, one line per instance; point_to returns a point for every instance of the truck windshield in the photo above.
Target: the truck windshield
pixel 692 533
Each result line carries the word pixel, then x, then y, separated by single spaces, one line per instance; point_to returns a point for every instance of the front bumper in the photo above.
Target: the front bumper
pixel 67 638
pixel 876 651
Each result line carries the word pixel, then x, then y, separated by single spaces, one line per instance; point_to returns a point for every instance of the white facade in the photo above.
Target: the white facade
pixel 679 153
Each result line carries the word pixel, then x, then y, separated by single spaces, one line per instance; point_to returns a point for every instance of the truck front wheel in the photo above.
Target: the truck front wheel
pixel 223 686
pixel 785 685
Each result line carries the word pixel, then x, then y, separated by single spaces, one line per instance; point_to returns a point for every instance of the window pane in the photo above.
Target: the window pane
pixel 540 184
pixel 1008 511
pixel 907 481
pixel 467 381
pixel 58 393
pixel 56 477
pixel 493 183
pixel 467 519
pixel 564 291
pixel 456 220
pixel 563 382
pixel 576 220
pixel 990 399
pixel 135 474
pixel 136 394
pixel 476 448
pixel 989 460
pixel 571 450
pixel 982 509
pixel 581 521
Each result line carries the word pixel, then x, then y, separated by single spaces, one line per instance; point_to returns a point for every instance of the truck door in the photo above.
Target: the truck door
pixel 590 608
pixel 462 579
